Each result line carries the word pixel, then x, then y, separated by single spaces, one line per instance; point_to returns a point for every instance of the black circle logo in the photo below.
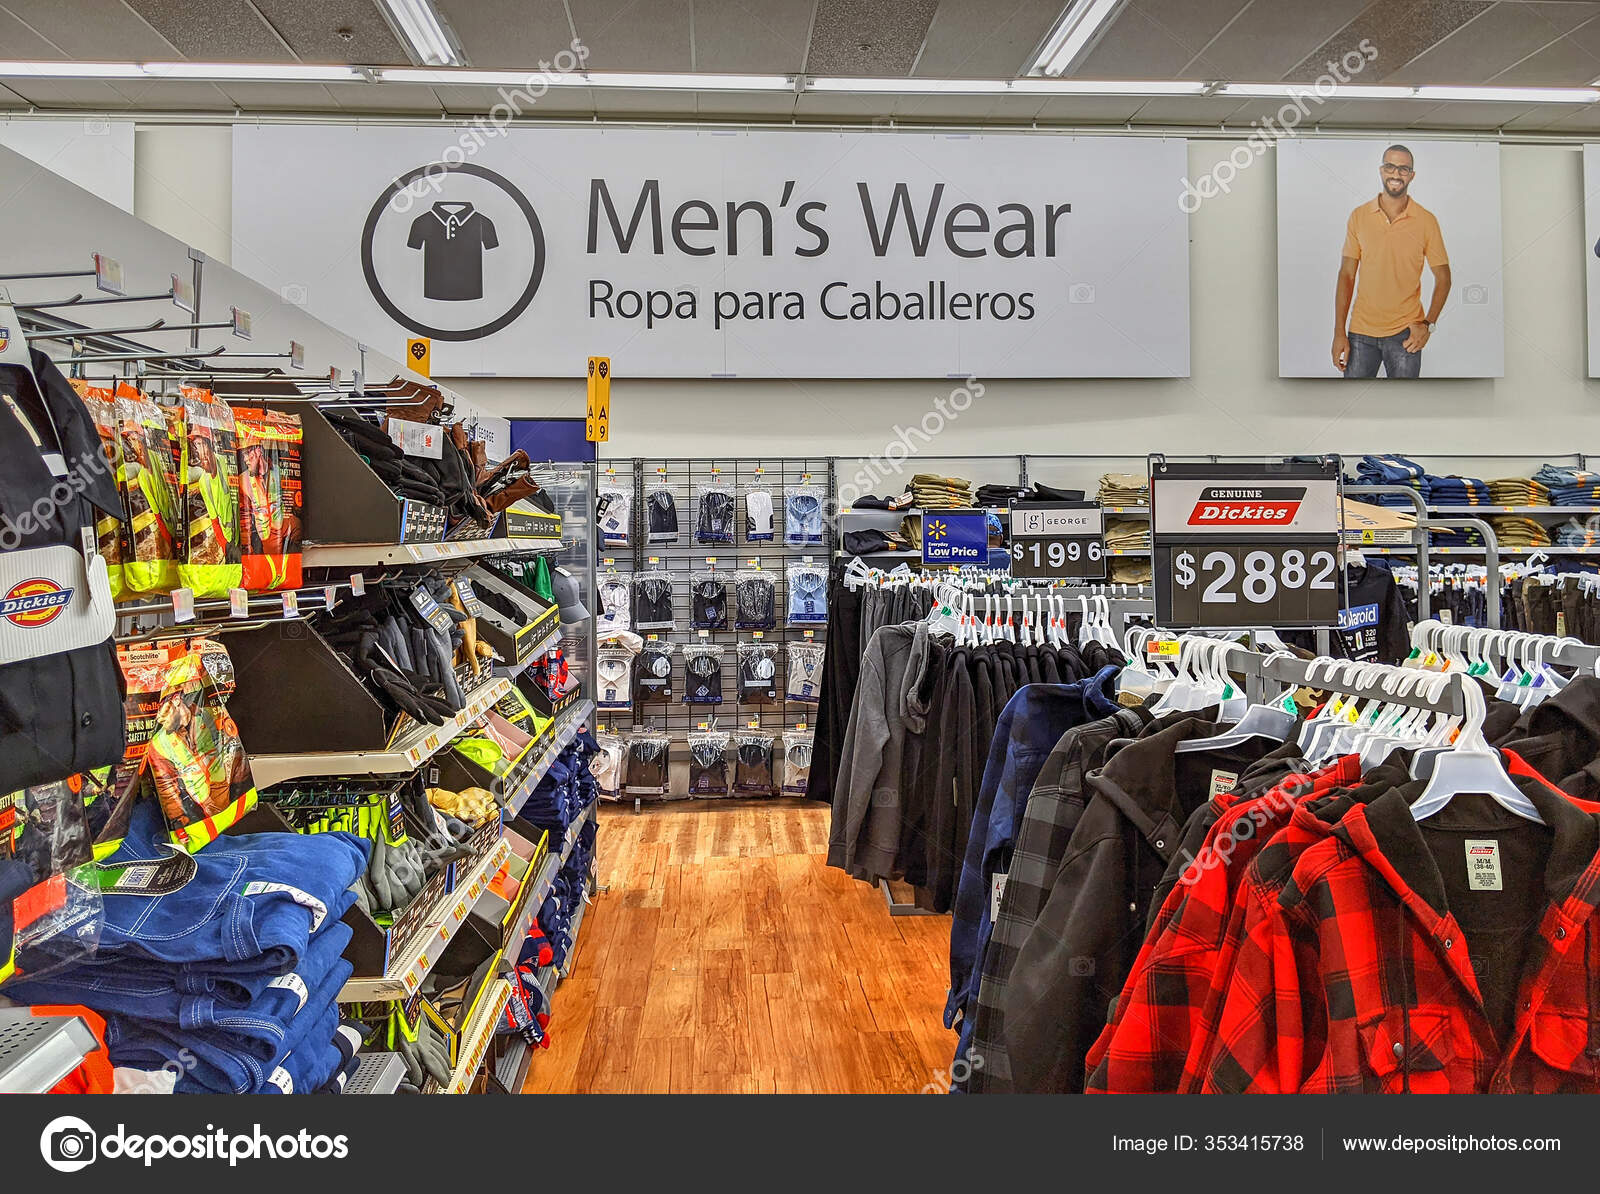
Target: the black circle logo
pixel 411 322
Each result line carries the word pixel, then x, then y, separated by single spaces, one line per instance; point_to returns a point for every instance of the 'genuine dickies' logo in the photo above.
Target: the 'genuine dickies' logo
pixel 1247 506
pixel 5 339
pixel 34 603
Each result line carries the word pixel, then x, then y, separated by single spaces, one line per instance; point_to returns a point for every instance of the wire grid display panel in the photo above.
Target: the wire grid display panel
pixel 684 557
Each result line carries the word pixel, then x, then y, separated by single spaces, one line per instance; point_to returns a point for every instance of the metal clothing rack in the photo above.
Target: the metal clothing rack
pixel 682 477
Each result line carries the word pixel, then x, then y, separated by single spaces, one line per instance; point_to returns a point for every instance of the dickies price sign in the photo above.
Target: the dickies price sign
pixel 1246 546
pixel 1058 540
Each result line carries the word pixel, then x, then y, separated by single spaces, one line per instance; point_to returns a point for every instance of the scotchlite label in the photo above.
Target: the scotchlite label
pixel 319 910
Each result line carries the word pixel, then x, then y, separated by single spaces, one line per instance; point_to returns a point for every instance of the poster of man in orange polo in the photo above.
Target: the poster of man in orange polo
pixel 1387 242
pixel 1389 259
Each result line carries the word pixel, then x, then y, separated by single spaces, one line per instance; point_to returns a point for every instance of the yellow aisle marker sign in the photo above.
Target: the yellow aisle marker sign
pixel 597 422
pixel 419 353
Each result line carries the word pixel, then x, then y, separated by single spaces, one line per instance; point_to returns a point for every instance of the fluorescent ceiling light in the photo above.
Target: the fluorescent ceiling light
pixel 72 70
pixel 260 72
pixel 1294 90
pixel 422 28
pixel 1028 86
pixel 1513 95
pixel 635 80
pixel 1075 35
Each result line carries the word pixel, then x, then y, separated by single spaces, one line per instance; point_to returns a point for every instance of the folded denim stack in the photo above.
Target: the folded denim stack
pixel 221 967
pixel 566 790
pixel 1578 533
pixel 1455 537
pixel 1514 531
pixel 1570 486
pixel 1124 489
pixel 1519 491
pixel 1393 470
pixel 1458 491
pixel 933 492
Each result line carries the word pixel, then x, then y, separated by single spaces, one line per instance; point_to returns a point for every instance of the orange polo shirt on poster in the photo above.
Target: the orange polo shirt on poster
pixel 1391 253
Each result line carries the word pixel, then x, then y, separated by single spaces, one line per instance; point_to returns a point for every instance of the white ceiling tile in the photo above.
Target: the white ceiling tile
pixel 985 39
pixel 751 37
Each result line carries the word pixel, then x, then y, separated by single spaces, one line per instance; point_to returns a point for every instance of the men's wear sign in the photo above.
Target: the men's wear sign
pixel 755 254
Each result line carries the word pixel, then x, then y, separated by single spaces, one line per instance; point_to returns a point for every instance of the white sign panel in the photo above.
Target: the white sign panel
pixel 1398 209
pixel 94 154
pixel 762 253
pixel 1591 250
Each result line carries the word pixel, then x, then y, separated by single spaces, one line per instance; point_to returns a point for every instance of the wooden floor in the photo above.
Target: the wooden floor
pixel 726 957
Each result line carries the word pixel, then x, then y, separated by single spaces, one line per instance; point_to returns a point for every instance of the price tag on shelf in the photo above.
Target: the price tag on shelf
pixel 753 724
pixel 1156 649
pixel 183 605
pixel 1240 545
pixel 609 562
pixel 757 634
pixel 705 634
pixel 291 604
pixel 330 596
pixel 810 633
pixel 712 560
pixel 358 585
pixel 1058 540
pixel 755 563
pixel 799 725
pixel 238 603
pixel 655 559
pixel 650 638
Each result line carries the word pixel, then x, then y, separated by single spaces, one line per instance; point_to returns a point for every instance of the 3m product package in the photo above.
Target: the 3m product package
pixel 210 560
pixel 269 498
pixel 149 473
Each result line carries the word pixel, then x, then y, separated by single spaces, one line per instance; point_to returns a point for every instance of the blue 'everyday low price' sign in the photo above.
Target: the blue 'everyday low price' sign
pixel 955 537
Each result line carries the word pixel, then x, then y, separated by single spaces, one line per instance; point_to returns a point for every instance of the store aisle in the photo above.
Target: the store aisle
pixel 727 958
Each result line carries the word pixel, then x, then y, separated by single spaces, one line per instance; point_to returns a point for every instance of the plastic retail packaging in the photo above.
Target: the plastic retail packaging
pixel 111 534
pixel 708 762
pixel 196 763
pixel 149 469
pixel 714 514
pixel 269 498
pixel 797 746
pixel 758 510
pixel 752 774
pixel 758 673
pixel 209 558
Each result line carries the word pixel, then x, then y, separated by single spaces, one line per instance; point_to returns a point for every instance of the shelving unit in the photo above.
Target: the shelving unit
pixel 389 554
pixel 684 556
pixel 477 1035
pixel 405 973
pixel 377 1073
pixel 36 1052
pixel 567 724
pixel 405 755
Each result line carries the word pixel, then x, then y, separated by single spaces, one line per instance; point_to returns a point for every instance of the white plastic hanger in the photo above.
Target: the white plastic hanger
pixel 1472 766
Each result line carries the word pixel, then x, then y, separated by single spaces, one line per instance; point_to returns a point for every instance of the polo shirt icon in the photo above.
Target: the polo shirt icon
pixel 453 238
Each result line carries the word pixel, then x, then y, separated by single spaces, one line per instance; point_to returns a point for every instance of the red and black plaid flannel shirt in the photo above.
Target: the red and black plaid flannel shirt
pixel 1350 978
pixel 1161 1017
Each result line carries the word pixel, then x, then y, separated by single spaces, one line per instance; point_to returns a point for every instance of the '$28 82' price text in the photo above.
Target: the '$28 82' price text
pixel 1260 579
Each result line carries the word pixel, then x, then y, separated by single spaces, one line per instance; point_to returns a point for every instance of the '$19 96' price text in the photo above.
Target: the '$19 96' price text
pixel 1259 575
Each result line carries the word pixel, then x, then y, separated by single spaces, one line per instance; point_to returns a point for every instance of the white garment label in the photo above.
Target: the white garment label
pixel 1445 616
pixel 417 439
pixel 281 1079
pixel 292 982
pixel 319 910
pixel 997 891
pixel 1222 783
pixel 1483 865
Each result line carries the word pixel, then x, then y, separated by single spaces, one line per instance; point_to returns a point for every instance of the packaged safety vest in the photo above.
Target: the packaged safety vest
pixel 150 482
pixel 195 759
pixel 210 558
pixel 269 497
pixel 110 533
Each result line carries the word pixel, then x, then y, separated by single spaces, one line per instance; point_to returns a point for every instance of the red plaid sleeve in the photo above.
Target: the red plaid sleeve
pixel 1272 1023
pixel 1165 1018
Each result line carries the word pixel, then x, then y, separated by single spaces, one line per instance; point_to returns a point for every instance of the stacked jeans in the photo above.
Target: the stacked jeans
pixel 1393 470
pixel 1578 533
pixel 1458 491
pixel 224 963
pixel 1570 486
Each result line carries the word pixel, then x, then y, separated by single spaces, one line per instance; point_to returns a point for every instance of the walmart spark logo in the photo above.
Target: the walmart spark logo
pixel 937 529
